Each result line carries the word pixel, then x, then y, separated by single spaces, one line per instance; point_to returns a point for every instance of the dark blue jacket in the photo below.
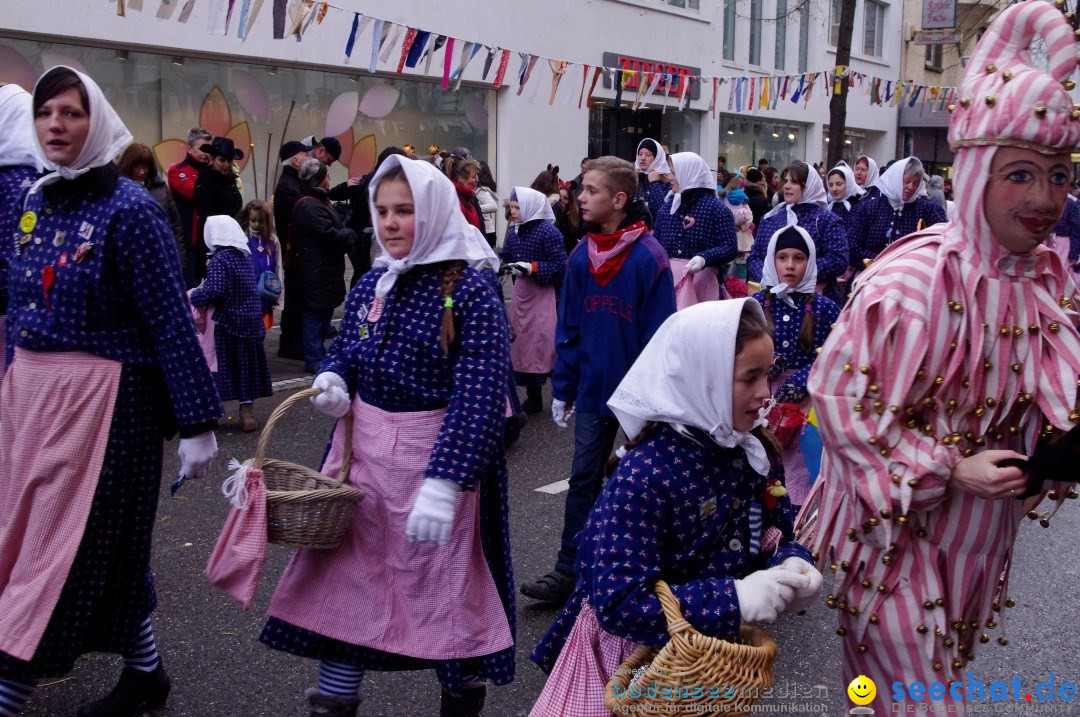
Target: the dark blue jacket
pixel 701 226
pixel 231 289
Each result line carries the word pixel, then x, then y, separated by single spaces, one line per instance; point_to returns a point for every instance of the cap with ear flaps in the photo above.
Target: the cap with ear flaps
pixel 1005 100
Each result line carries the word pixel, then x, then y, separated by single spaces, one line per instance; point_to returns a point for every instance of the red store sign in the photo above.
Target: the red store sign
pixel 677 76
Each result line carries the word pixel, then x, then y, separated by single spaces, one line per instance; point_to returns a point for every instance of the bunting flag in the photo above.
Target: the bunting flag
pixel 764 92
pixel 558 69
pixel 685 91
pixel 500 74
pixel 280 13
pixel 360 23
pixel 620 82
pixel 310 14
pixel 838 81
pixel 584 84
pixel 429 53
pixel 915 96
pixel 389 45
pixel 488 62
pixel 751 96
pixel 406 48
pixel 526 72
pixel 469 50
pixel 715 89
pixel 448 60
pixel 216 17
pixel 417 48
pixel 592 87
pixel 120 8
pixel 242 26
pixel 378 35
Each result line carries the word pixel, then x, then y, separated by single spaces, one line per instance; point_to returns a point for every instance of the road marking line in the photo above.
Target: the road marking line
pixel 559 486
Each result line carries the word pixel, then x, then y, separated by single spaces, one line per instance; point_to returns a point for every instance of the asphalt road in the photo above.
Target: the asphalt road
pixel 219 668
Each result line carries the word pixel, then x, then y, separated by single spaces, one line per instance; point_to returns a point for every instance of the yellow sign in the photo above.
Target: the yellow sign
pixel 28 222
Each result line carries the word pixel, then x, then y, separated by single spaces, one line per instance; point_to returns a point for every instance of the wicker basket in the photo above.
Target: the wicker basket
pixel 693 673
pixel 304 508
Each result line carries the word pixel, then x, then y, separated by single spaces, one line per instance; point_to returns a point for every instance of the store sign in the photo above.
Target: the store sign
pixel 938 14
pixel 937 38
pixel 678 75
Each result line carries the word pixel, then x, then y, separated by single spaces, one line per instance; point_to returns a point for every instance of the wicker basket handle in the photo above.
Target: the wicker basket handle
pixel 676 623
pixel 279 413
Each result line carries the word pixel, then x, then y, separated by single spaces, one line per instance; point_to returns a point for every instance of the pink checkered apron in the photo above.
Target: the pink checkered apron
pixel 589 658
pixel 693 289
pixel 52 447
pixel 376 589
pixel 533 318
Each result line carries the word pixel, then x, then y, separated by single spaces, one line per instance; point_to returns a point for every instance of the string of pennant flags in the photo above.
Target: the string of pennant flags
pixel 401 46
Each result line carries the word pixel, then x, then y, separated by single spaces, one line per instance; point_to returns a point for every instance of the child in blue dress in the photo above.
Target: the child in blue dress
pixel 230 288
pixel 258 223
pixel 799 319
pixel 697 501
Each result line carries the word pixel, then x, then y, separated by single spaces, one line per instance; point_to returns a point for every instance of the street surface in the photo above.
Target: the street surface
pixel 219 668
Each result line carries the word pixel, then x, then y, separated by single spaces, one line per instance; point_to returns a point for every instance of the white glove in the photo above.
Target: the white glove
pixel 805 596
pixel 764 594
pixel 432 515
pixel 196 453
pixel 521 268
pixel 560 413
pixel 695 265
pixel 334 400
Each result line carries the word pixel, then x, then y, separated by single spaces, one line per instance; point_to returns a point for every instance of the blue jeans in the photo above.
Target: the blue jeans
pixel 594 436
pixel 313 324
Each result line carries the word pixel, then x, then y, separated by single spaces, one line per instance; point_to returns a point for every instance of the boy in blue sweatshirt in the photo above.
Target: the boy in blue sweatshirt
pixel 617 291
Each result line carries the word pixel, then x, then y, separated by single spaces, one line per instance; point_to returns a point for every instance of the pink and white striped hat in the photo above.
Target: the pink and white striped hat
pixel 1005 99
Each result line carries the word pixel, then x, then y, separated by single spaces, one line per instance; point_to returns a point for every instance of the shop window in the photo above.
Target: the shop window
pixel 781 34
pixel 873 28
pixel 755 32
pixel 933 57
pixel 729 30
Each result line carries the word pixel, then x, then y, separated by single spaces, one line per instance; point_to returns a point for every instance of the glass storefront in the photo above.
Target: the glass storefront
pixel 161 97
pixel 619 131
pixel 746 140
pixel 855 144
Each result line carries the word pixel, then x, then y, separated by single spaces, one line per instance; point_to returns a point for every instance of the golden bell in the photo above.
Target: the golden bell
pixel 1074 115
pixel 1003 641
pixel 950 108
pixel 966 102
pixel 1068 85
pixel 1006 75
pixel 991 101
pixel 990 69
pixel 1040 111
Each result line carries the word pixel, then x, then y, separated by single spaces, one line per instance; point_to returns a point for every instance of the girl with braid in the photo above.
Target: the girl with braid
pixel 423 579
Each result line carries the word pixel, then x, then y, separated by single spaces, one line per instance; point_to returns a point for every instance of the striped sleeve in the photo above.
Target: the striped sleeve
pixel 865 390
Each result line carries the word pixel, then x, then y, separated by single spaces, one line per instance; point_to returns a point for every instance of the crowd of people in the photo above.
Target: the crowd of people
pixel 704 314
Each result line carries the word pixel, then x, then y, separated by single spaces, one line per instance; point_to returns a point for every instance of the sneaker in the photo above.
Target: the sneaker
pixel 247 418
pixel 469 702
pixel 554 587
pixel 137 692
pixel 329 706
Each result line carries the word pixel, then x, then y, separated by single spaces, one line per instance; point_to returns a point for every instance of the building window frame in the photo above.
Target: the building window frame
pixel 685 4
pixel 729 30
pixel 756 26
pixel 934 53
pixel 874 28
pixel 804 36
pixel 834 21
pixel 780 56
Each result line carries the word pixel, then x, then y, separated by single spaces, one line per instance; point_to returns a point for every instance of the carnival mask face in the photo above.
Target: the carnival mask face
pixel 644 159
pixel 1025 196
pixel 861 170
pixel 62 124
pixel 837 185
pixel 791 266
pixel 395 217
pixel 750 388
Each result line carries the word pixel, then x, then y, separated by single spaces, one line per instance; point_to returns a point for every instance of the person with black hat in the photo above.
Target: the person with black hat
pixel 292 155
pixel 215 193
pixel 319 241
pixel 327 150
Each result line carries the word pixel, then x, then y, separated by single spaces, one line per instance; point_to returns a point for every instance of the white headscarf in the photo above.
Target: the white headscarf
pixel 659 163
pixel 441 231
pixel 691 172
pixel 813 192
pixel 871 171
pixel 106 137
pixel 533 205
pixel 891 184
pixel 769 277
pixel 684 377
pixel 222 231
pixel 18 143
pixel 852 187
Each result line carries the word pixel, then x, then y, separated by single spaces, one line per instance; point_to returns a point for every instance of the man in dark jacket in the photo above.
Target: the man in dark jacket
pixel 355 192
pixel 292 155
pixel 182 178
pixel 759 202
pixel 215 193
pixel 319 241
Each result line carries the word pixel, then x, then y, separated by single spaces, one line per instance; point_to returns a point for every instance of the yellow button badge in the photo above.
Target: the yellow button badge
pixel 28 222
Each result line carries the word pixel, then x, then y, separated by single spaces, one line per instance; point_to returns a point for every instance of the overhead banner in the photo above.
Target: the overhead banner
pixel 939 14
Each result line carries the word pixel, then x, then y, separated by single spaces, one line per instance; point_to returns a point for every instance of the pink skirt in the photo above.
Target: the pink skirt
pixel 693 289
pixel 52 447
pixel 532 320
pixel 589 658
pixel 376 589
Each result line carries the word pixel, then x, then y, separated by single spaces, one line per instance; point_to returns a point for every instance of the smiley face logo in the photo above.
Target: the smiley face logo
pixel 862 690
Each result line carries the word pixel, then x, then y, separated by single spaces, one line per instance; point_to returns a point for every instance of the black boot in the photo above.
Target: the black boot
pixel 468 702
pixel 534 403
pixel 326 706
pixel 136 692
pixel 555 587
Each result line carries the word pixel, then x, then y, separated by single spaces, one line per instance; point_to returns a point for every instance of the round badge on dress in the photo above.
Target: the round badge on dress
pixel 735 544
pixel 28 222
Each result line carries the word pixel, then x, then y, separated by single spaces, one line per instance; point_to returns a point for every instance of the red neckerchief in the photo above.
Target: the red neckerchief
pixel 467 199
pixel 607 252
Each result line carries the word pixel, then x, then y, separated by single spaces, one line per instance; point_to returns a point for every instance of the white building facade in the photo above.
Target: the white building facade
pixel 161 73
